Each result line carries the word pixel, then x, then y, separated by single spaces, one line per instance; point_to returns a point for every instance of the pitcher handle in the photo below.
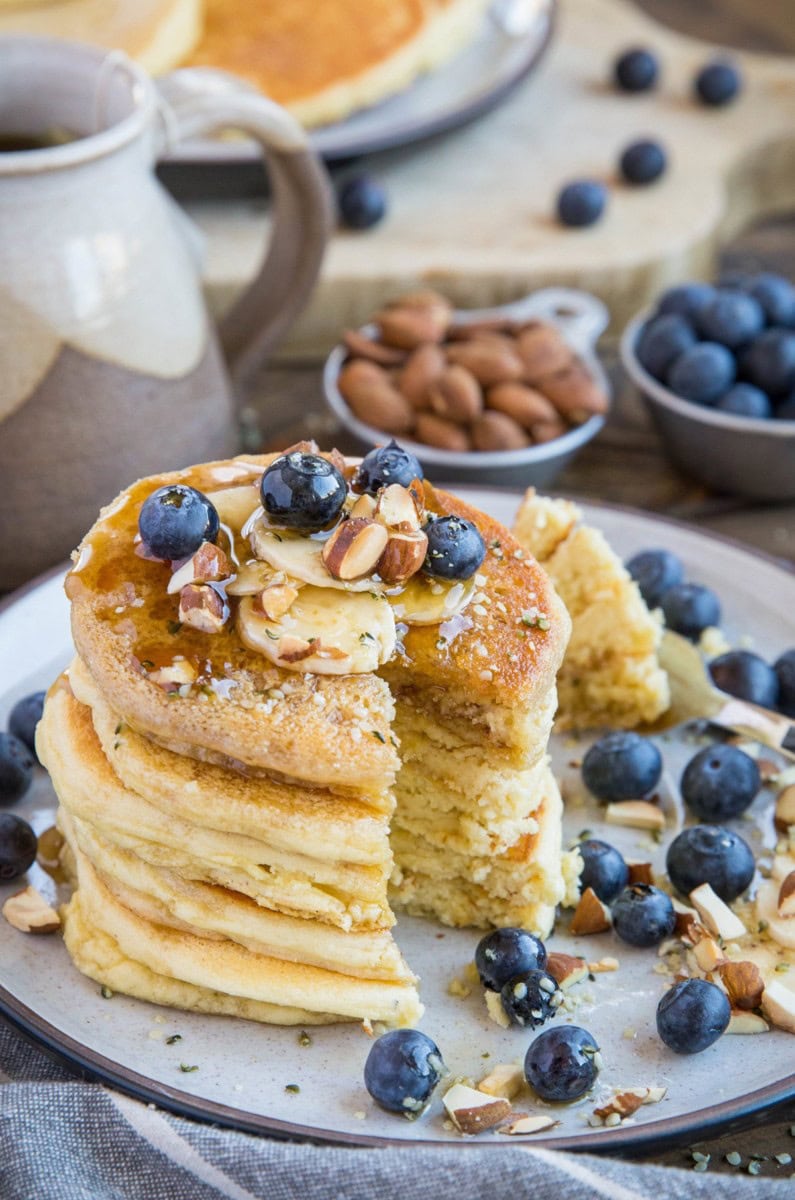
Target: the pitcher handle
pixel 303 209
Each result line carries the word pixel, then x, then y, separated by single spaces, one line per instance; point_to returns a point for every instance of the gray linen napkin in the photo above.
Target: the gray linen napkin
pixel 63 1139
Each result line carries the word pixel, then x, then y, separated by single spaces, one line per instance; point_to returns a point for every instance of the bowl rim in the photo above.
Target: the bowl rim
pixel 700 413
pixel 593 316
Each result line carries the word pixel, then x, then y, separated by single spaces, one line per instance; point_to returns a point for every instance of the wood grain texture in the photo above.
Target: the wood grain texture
pixel 471 212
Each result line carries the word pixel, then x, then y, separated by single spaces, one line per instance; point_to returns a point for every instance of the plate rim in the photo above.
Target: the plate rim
pixel 667 1132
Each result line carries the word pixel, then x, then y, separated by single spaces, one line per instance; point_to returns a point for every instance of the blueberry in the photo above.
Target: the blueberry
pixel 643 915
pixel 720 782
pixel 16 769
pixel 401 1071
pixel 455 548
pixel 785 411
pixel 362 202
pixel 655 571
pixel 385 465
pixel 702 373
pixel 622 766
pixel 303 491
pixel 581 203
pixel 732 318
pixel 604 869
pixel 745 400
pixel 769 362
pixel 689 609
pixel 643 162
pixel 743 674
pixel 663 340
pixel 529 999
pixel 710 854
pixel 692 1015
pixel 17 846
pixel 175 520
pixel 784 667
pixel 687 299
pixel 636 70
pixel 777 297
pixel 561 1063
pixel 717 83
pixel 505 953
pixel 25 716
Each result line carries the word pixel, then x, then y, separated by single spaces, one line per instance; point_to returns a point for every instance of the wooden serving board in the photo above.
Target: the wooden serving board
pixel 473 212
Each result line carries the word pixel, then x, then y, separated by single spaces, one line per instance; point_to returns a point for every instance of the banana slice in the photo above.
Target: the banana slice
pixel 424 601
pixel 235 505
pixel 323 632
pixel 299 558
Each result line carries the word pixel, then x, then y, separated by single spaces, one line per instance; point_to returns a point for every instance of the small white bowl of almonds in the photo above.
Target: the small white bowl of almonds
pixel 503 395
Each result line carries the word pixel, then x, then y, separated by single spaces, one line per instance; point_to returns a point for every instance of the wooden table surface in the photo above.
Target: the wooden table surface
pixel 626 463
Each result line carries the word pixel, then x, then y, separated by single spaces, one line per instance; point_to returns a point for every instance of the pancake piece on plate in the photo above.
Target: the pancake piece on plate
pixel 244 726
pixel 611 675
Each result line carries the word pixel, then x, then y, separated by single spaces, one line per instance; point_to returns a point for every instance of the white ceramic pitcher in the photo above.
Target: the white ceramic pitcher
pixel 109 365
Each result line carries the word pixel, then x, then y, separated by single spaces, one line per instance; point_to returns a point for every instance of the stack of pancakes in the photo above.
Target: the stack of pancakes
pixel 228 820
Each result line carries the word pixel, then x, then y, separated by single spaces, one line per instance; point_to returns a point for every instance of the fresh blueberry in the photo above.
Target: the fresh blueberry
pixel 692 1015
pixel 401 1071
pixel 17 846
pixel 385 465
pixel 710 854
pixel 785 410
pixel 720 782
pixel 655 571
pixel 529 999
pixel 743 674
pixel 505 953
pixel 702 373
pixel 362 202
pixel 718 83
pixel 643 915
pixel 636 70
pixel 686 299
pixel 732 318
pixel 689 609
pixel 622 766
pixel 25 716
pixel 745 400
pixel 777 297
pixel 604 869
pixel 662 341
pixel 561 1063
pixel 784 667
pixel 175 520
pixel 643 162
pixel 303 491
pixel 455 548
pixel 581 203
pixel 16 769
pixel 769 362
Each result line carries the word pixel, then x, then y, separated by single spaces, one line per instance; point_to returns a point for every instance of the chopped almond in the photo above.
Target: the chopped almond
pixel 276 600
pixel 473 1111
pixel 637 814
pixel 565 969
pixel 504 1079
pixel 529 1123
pixel 708 954
pixel 786 896
pixel 201 607
pixel 29 912
pixel 742 1021
pixel 785 808
pixel 295 649
pixel 590 915
pixel 716 915
pixel 354 548
pixel 640 872
pixel 209 563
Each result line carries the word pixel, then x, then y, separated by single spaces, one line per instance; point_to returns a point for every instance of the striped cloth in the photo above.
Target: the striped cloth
pixel 64 1139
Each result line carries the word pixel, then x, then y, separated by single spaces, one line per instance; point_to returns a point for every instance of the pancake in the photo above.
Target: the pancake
pixel 324 61
pixel 611 676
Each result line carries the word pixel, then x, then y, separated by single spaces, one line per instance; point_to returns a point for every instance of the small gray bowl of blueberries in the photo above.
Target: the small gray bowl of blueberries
pixel 716 367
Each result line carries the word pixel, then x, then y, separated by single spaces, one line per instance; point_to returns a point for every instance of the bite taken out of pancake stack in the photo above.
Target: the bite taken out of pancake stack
pixel 245 724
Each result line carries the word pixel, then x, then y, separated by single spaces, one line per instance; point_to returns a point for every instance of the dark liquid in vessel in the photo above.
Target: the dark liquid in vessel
pixel 11 143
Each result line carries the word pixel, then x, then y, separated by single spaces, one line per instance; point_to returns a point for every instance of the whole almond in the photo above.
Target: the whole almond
pixel 526 405
pixel 354 548
pixel 403 556
pixel 456 395
pixel 358 378
pixel 361 346
pixel 575 393
pixel 547 431
pixel 422 298
pixel 406 328
pixel 470 329
pixel 542 350
pixel 491 359
pixel 423 366
pixel 373 398
pixel 496 431
pixel 444 435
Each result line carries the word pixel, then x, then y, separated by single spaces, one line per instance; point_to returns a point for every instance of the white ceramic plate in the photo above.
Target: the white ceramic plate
pixel 243 1068
pixel 513 36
